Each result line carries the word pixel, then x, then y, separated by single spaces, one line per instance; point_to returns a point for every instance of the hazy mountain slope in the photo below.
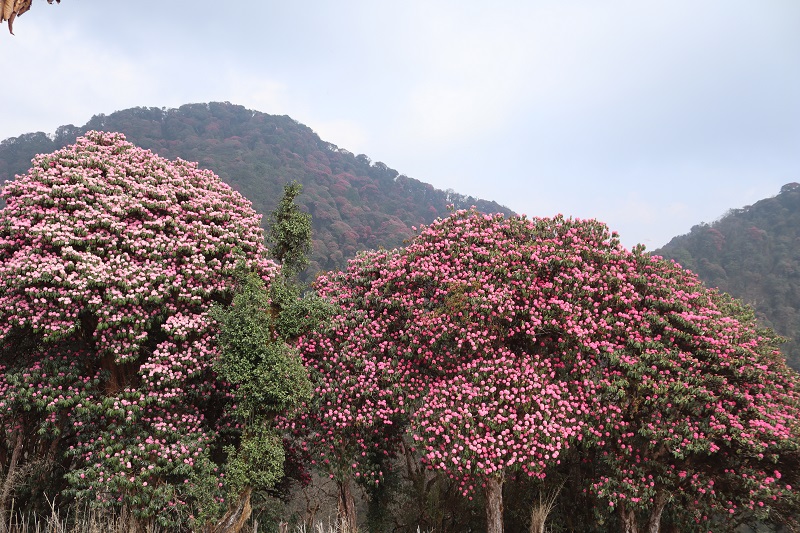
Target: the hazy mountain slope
pixel 356 204
pixel 753 253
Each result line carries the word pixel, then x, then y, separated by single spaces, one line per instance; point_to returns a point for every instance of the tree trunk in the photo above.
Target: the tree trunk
pixel 8 482
pixel 347 507
pixel 237 515
pixel 494 505
pixel 628 518
pixel 660 501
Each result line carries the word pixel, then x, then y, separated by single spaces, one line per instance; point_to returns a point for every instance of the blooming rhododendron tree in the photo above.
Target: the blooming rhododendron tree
pixel 502 347
pixel 450 341
pixel 110 261
pixel 708 410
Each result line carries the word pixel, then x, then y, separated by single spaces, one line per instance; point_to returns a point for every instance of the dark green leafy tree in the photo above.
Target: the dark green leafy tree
pixel 268 378
pixel 290 231
pixel 257 331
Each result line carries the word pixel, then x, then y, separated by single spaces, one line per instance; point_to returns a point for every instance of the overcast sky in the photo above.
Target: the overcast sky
pixel 651 116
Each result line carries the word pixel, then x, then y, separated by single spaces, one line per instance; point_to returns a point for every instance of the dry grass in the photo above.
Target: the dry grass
pixel 88 520
pixel 94 522
pixel 541 510
pixel 79 521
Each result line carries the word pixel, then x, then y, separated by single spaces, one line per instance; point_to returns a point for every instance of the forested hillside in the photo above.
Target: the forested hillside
pixel 753 254
pixel 356 204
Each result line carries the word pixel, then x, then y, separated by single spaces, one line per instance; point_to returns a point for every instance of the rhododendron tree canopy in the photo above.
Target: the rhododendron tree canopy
pixel 111 259
pixel 703 411
pixel 501 347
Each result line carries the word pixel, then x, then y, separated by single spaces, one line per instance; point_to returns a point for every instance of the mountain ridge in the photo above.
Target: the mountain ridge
pixel 752 253
pixel 355 204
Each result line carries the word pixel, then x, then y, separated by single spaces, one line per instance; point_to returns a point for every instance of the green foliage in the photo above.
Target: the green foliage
pixel 290 235
pixel 268 374
pixel 290 231
pixel 301 315
pixel 751 253
pixel 204 488
pixel 256 356
pixel 258 462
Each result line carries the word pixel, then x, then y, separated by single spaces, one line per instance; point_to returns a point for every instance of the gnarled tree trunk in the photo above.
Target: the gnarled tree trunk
pixel 8 482
pixel 628 519
pixel 659 502
pixel 494 505
pixel 236 516
pixel 347 507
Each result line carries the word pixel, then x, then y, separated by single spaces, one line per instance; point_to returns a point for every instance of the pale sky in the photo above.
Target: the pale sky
pixel 651 116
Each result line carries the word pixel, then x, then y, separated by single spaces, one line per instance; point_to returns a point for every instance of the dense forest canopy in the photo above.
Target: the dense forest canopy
pixel 753 253
pixel 355 204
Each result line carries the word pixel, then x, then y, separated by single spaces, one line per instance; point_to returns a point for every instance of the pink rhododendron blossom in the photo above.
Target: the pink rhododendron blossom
pixel 110 259
pixel 499 346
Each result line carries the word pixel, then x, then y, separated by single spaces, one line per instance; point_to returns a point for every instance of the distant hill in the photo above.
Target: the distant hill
pixel 753 253
pixel 356 204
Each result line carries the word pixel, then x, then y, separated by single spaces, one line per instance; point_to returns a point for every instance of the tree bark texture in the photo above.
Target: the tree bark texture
pixel 8 482
pixel 659 502
pixel 237 515
pixel 347 507
pixel 628 519
pixel 494 505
